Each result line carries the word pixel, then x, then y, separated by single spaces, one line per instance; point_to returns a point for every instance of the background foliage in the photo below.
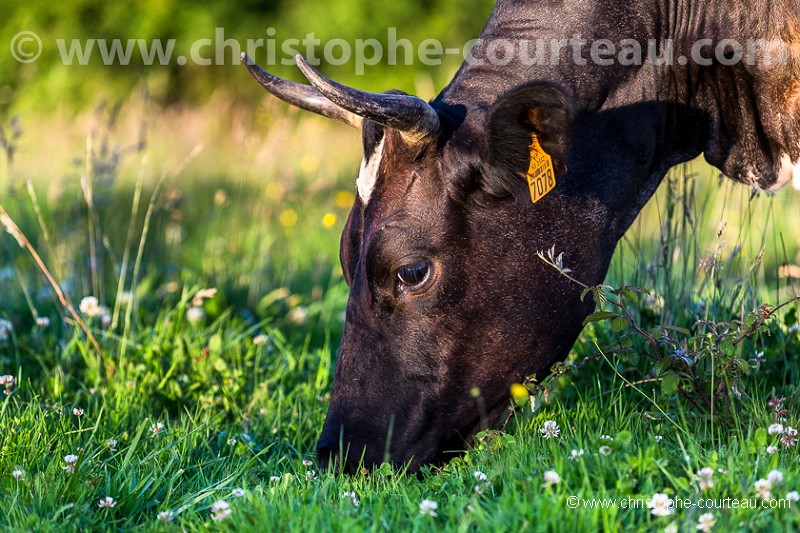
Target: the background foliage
pixel 46 83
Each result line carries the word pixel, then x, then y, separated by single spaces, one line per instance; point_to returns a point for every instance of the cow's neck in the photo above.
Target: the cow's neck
pixel 636 122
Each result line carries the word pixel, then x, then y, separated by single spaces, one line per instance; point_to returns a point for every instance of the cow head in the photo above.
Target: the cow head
pixel 448 304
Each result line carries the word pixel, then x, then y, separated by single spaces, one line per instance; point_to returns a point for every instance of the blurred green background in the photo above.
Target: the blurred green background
pixel 47 84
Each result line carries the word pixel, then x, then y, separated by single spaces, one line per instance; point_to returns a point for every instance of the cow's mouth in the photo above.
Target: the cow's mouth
pixel 334 461
pixel 350 458
pixel 420 447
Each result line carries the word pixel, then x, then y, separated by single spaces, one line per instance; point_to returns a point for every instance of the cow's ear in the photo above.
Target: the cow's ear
pixel 536 108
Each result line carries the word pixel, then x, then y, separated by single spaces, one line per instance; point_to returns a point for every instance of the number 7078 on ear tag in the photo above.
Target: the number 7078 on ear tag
pixel 541 175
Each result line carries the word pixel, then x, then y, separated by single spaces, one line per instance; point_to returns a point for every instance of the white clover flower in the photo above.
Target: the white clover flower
pixel 551 478
pixel 789 437
pixel 478 489
pixel 775 476
pixel 793 496
pixel 232 441
pixel 108 502
pixel 671 528
pixel 112 445
pixel 274 479
pixel 763 487
pixel 195 315
pixel 43 321
pixel 90 306
pixel 550 430
pixel 775 429
pixel 298 315
pixel 479 476
pixel 606 437
pixel 575 454
pixel 7 380
pixel 166 516
pixel 772 449
pixel 307 463
pixel 705 484
pixel 660 505
pixel 71 460
pixel 428 507
pixel 659 438
pixel 238 493
pixel 19 475
pixel 762 484
pixel 156 428
pixel 704 477
pixel 706 522
pixel 352 497
pixel 220 510
pixel 311 474
pixel 605 450
pixel 77 411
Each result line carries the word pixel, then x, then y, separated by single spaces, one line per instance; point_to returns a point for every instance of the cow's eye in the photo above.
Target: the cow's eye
pixel 413 276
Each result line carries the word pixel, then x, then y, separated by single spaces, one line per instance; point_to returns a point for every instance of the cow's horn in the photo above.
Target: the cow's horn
pixel 300 95
pixel 412 116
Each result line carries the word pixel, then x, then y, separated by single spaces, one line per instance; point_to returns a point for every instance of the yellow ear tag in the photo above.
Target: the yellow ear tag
pixel 541 175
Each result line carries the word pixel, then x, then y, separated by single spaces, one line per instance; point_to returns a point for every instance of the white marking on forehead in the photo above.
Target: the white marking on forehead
pixel 368 173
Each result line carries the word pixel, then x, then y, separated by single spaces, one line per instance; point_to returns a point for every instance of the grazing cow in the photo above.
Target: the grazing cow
pixel 446 293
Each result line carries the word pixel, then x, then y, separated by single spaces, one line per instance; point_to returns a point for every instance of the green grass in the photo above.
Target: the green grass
pixel 242 391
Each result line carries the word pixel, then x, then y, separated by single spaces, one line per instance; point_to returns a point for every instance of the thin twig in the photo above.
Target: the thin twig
pixel 649 338
pixel 541 256
pixel 762 319
pixel 24 243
